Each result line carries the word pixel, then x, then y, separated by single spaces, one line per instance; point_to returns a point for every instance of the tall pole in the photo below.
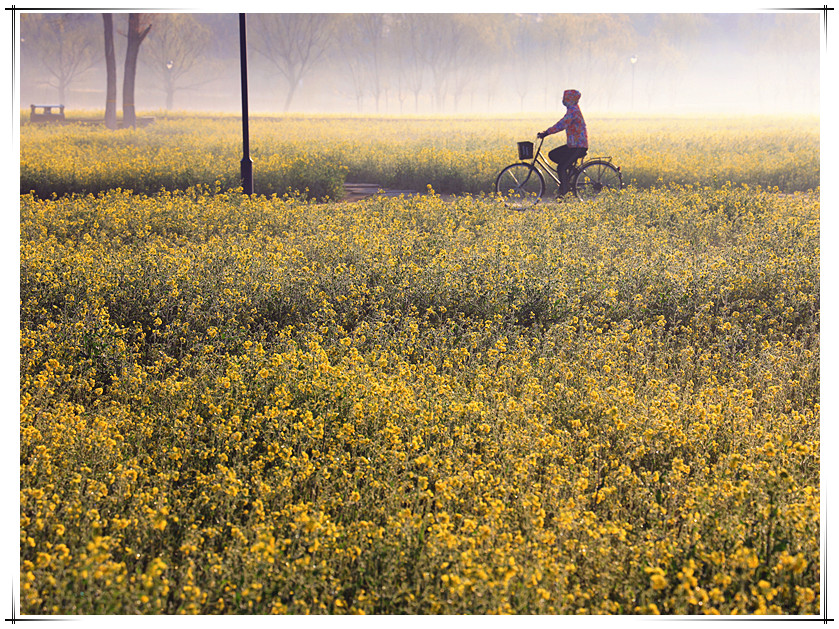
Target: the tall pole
pixel 247 164
pixel 633 60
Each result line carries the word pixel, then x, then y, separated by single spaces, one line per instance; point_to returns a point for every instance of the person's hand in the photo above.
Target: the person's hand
pixel 540 135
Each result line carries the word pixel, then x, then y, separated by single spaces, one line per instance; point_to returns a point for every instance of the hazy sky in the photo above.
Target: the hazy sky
pixel 739 62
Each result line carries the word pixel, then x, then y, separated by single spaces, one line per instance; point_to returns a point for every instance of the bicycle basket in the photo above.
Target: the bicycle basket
pixel 525 150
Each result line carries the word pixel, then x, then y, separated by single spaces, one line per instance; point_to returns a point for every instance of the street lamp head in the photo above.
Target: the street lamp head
pixel 633 59
pixel 170 64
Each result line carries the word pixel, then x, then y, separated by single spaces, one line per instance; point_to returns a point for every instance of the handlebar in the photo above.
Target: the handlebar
pixel 538 148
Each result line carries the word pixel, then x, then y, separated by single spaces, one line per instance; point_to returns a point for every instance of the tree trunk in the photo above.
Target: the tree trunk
pixel 111 71
pixel 169 84
pixel 288 97
pixel 135 38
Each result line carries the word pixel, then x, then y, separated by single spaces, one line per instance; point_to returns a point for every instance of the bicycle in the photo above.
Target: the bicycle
pixel 522 184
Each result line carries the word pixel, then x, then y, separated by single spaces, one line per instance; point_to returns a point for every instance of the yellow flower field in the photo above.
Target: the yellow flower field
pixel 317 154
pixel 406 405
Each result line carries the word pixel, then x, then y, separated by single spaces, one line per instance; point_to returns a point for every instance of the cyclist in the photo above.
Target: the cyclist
pixel 576 138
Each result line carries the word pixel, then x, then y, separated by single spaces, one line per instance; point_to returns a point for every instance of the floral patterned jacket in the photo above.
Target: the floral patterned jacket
pixel 572 122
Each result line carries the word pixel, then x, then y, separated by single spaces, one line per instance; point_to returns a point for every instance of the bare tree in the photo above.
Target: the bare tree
pixel 445 38
pixel 174 50
pixel 796 59
pixel 64 44
pixel 610 63
pixel 407 39
pixel 682 31
pixel 110 72
pixel 374 29
pixel 523 30
pixel 138 27
pixel 293 43
pixel 482 35
pixel 557 37
pixel 348 38
pixel 365 44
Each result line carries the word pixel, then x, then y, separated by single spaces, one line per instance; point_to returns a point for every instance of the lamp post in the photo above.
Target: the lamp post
pixel 246 164
pixel 169 88
pixel 633 60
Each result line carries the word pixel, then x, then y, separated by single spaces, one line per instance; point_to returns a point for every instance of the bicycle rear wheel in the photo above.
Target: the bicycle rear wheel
pixel 520 186
pixel 595 177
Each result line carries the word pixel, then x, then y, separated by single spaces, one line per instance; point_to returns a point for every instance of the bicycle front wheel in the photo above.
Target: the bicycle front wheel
pixel 520 186
pixel 596 177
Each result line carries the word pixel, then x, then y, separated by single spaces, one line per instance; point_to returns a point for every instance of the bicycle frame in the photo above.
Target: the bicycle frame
pixel 540 160
pixel 586 177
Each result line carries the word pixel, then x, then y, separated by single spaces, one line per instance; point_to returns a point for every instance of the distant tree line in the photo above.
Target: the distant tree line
pixel 404 63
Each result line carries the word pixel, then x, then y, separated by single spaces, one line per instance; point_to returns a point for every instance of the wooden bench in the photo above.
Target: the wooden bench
pixel 46 114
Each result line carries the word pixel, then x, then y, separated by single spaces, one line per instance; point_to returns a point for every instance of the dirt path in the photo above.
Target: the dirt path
pixel 359 191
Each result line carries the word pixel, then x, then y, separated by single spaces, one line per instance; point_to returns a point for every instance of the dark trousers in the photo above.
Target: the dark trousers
pixel 564 156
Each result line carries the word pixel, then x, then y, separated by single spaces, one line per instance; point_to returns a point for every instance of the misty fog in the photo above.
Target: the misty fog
pixel 406 64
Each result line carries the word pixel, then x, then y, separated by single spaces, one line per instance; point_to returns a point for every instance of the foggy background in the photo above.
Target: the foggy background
pixel 406 64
